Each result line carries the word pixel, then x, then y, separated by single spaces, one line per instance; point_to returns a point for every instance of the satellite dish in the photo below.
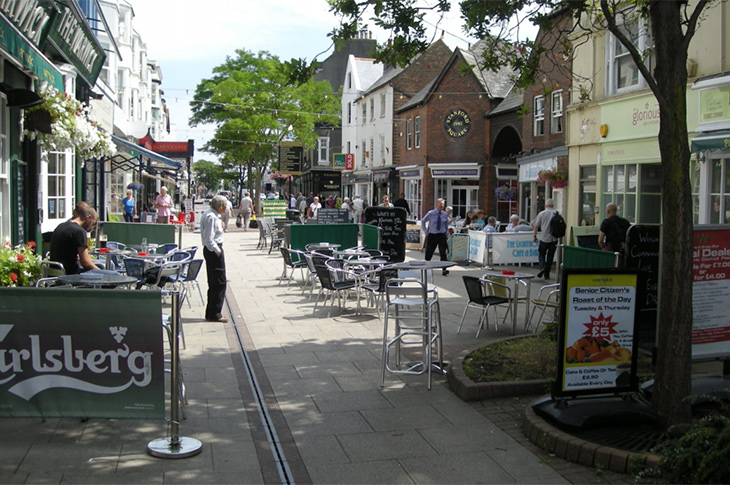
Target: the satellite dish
pixel 138 129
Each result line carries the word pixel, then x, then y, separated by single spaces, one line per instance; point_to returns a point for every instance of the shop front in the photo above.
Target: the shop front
pixel 362 184
pixel 458 184
pixel 412 178
pixel 711 167
pixel 532 192
pixel 384 183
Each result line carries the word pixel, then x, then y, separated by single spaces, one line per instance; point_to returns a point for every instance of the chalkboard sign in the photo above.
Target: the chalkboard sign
pixel 392 224
pixel 413 236
pixel 332 216
pixel 642 247
pixel 588 242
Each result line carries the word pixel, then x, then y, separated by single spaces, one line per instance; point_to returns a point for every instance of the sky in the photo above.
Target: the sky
pixel 189 38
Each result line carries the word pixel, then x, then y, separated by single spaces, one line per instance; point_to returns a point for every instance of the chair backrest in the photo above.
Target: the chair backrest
pixel 135 267
pixel 51 269
pixel 180 256
pixel 323 273
pixel 166 248
pixel 193 269
pixel 374 252
pixel 415 274
pixel 192 250
pixel 115 245
pixel 474 288
pixel 405 288
pixel 385 275
pixel 287 257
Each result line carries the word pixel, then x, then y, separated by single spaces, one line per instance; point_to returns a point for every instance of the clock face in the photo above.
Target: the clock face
pixel 457 123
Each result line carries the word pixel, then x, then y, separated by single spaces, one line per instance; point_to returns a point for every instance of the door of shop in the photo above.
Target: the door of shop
pixel 463 199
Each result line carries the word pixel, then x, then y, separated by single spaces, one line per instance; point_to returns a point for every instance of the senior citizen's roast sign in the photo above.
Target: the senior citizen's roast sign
pixel 80 353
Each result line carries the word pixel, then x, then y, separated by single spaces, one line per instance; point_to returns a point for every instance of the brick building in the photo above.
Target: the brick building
pixel 443 137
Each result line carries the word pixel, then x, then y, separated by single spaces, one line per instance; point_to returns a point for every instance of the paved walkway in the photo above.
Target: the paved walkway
pixel 318 379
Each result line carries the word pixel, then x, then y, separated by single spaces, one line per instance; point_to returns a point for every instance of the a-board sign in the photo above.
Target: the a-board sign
pixel 710 290
pixel 585 236
pixel 273 208
pixel 413 236
pixel 597 347
pixel 81 353
pixel 392 224
pixel 642 253
pixel 332 216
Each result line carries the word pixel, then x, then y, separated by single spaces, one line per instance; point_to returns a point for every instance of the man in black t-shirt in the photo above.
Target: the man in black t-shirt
pixel 402 202
pixel 612 234
pixel 68 242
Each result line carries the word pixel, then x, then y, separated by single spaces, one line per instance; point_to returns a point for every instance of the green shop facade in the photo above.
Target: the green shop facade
pixel 34 36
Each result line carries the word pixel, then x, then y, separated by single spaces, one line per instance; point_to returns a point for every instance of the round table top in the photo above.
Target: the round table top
pixel 97 279
pixel 323 245
pixel 423 264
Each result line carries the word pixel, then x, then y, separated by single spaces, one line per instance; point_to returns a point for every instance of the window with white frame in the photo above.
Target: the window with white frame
pixel 382 147
pixel 372 150
pixel 417 132
pixel 623 74
pixel 349 80
pixel 4 171
pixel 412 189
pixel 382 104
pixel 364 112
pixel 556 112
pixel 539 116
pixel 118 191
pixel 409 134
pixel 56 185
pixel 323 148
pixel 364 153
pixel 372 108
pixel 349 113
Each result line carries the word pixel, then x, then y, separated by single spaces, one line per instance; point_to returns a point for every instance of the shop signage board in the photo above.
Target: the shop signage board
pixel 81 353
pixel 73 37
pixel 413 236
pixel 392 224
pixel 642 253
pixel 343 161
pixel 332 216
pixel 290 157
pixel 29 55
pixel 596 345
pixel 513 248
pixel 710 292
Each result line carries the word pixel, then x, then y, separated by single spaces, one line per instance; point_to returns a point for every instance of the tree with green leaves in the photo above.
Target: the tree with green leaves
pixel 672 24
pixel 255 100
pixel 207 174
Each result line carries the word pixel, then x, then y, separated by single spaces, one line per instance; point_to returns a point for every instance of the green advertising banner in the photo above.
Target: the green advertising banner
pixel 81 353
pixel 274 208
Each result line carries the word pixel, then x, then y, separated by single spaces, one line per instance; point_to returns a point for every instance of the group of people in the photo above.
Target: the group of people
pixel 163 204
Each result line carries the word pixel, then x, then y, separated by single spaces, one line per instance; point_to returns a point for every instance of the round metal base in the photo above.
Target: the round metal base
pixel 163 448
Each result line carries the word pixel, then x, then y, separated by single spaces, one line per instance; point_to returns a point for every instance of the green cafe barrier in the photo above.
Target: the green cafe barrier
pixel 132 234
pixel 346 235
pixel 577 257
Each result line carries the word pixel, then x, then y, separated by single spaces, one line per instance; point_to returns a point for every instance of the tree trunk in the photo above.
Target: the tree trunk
pixel 674 321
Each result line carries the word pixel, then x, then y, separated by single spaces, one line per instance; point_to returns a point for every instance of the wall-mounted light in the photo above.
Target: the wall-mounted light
pixel 603 130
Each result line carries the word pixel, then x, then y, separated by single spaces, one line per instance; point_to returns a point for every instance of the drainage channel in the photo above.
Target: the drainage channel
pixel 277 451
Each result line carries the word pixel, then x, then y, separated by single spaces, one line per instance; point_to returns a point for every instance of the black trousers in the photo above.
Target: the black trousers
pixel 545 255
pixel 440 240
pixel 128 217
pixel 215 267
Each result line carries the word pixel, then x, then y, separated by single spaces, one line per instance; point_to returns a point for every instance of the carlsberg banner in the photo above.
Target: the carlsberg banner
pixel 81 353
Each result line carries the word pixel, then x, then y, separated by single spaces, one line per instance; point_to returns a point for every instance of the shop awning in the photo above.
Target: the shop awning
pixel 128 145
pixel 716 140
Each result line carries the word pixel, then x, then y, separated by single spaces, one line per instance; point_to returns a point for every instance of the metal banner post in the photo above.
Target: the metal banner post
pixel 175 446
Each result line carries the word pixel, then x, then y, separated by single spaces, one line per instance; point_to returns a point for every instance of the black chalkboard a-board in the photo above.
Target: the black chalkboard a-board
pixel 642 248
pixel 588 242
pixel 332 216
pixel 392 224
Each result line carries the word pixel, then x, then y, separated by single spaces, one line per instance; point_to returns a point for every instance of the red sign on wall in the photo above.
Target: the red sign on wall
pixel 349 161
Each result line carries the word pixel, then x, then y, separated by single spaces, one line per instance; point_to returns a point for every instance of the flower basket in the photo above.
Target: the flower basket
pixel 554 178
pixel 505 192
pixel 19 266
pixel 281 177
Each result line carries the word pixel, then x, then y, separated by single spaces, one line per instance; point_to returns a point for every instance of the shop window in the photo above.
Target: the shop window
pixel 118 191
pixel 539 116
pixel 412 189
pixel 651 194
pixel 417 131
pixel 620 183
pixel 56 185
pixel 720 191
pixel 556 112
pixel 588 196
pixel 695 178
pixel 409 134
pixel 623 74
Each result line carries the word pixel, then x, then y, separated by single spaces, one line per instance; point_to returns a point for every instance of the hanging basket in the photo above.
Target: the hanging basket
pixel 38 120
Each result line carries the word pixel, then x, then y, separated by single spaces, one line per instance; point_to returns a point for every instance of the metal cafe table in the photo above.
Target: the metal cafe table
pixel 97 279
pixel 516 278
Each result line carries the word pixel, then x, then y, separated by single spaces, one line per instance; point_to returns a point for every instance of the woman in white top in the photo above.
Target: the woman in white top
pixel 314 207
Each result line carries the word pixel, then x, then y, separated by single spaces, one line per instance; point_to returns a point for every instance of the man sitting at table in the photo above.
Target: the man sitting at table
pixel 68 242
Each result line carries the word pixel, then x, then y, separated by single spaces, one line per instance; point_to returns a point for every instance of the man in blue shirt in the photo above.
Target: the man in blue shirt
pixel 435 225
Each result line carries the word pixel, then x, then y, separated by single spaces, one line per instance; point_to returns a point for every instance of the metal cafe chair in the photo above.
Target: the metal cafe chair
pixel 334 283
pixel 483 294
pixel 293 259
pixel 552 300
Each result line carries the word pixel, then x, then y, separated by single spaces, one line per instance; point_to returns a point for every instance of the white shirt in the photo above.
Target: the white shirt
pixel 489 228
pixel 211 230
pixel 315 208
pixel 358 205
